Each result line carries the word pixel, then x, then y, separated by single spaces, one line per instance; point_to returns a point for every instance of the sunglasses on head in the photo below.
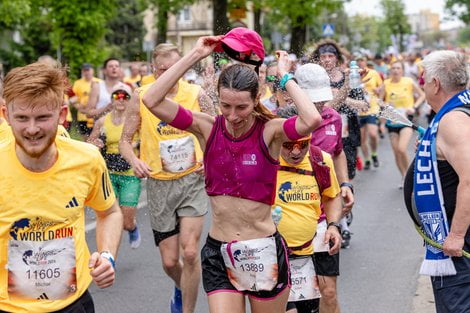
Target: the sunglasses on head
pixel 120 95
pixel 301 144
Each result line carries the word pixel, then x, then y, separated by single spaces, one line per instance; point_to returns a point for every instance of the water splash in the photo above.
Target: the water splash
pixel 390 113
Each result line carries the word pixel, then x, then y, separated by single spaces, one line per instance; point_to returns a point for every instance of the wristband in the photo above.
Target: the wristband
pixel 109 256
pixel 346 184
pixel 334 224
pixel 183 119
pixel 285 79
pixel 289 129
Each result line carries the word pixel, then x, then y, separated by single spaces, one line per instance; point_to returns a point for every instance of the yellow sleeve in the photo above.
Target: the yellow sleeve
pixel 101 196
pixel 334 189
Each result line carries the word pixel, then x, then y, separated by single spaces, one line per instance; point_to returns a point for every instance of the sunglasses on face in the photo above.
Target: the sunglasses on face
pixel 120 95
pixel 302 144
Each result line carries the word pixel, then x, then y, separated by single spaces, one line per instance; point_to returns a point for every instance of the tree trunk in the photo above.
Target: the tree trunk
pixel 220 24
pixel 162 24
pixel 298 33
pixel 257 21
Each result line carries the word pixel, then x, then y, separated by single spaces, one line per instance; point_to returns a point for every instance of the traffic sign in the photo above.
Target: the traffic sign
pixel 328 30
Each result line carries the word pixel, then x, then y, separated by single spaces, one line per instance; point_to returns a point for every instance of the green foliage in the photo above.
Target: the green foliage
pixel 459 8
pixel 395 19
pixel 13 12
pixel 73 30
pixel 126 31
pixel 369 32
pixel 79 29
pixel 464 36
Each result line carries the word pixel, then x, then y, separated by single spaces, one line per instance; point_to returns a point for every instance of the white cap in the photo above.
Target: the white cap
pixel 314 80
pixel 122 86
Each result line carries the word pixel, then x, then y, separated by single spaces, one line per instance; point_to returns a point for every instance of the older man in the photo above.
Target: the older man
pixel 439 181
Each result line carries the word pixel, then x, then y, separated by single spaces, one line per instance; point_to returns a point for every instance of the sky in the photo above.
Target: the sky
pixel 372 7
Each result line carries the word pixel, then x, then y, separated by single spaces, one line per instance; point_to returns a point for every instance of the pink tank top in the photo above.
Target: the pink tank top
pixel 240 167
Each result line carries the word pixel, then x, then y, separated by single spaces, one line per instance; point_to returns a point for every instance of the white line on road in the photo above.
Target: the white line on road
pixel 92 225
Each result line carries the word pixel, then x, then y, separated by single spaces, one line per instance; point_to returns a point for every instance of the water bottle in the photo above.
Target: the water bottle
pixel 276 214
pixel 354 76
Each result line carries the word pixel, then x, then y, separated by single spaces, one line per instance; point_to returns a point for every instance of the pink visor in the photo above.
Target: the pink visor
pixel 244 45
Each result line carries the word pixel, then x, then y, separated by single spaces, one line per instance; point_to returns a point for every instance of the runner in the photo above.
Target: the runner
pixel 99 102
pixel 368 120
pixel 303 194
pixel 171 160
pixel 329 55
pixel 328 136
pixel 81 89
pixel 106 135
pixel 46 182
pixel 241 150
pixel 400 92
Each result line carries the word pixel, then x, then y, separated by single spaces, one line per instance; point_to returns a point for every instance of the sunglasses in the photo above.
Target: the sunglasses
pixel 270 78
pixel 120 95
pixel 301 144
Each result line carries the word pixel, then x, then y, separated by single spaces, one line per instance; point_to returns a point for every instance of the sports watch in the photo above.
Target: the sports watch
pixel 109 256
pixel 336 224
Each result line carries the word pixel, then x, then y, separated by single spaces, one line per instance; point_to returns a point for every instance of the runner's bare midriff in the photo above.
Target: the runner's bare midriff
pixel 240 219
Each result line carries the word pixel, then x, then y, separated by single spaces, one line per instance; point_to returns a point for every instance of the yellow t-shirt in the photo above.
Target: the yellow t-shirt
pixel 171 153
pixel 299 197
pixel 400 94
pixel 372 81
pixel 42 226
pixel 132 81
pixel 61 131
pixel 81 88
pixel 5 131
pixel 113 135
pixel 268 94
pixel 148 79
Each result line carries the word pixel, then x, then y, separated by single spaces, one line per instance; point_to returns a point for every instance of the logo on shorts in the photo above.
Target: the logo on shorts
pixel 249 159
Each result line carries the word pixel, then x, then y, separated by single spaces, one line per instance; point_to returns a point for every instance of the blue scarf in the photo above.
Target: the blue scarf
pixel 428 194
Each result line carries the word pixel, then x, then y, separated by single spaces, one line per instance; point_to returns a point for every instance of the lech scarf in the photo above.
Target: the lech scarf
pixel 428 194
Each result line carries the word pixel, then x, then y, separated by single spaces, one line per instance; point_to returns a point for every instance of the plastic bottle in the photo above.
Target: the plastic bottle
pixel 276 214
pixel 355 81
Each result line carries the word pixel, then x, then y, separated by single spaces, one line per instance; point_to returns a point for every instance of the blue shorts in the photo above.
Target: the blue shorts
pixel 368 119
pixel 452 293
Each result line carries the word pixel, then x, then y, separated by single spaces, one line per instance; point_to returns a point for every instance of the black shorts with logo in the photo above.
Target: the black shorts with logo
pixel 214 272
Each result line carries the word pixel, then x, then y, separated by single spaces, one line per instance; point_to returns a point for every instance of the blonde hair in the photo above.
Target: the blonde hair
pixel 36 81
pixel 164 49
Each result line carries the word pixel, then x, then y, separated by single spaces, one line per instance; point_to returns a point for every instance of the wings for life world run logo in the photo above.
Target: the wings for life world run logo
pixel 38 229
pixel 289 192
pixel 166 130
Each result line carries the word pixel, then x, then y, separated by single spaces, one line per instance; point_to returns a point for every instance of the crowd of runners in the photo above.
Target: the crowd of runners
pixel 269 145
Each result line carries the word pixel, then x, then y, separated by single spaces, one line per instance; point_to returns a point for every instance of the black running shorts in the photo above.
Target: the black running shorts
pixel 214 272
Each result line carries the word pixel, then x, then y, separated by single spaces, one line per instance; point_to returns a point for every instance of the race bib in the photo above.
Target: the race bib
pixel 251 264
pixel 177 155
pixel 318 244
pixel 42 270
pixel 345 129
pixel 304 280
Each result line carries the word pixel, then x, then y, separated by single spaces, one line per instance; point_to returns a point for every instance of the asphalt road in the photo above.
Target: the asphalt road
pixel 379 271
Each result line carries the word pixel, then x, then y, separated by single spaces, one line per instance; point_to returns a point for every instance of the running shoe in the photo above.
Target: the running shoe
pixel 176 303
pixel 367 165
pixel 346 235
pixel 134 238
pixel 359 164
pixel 375 161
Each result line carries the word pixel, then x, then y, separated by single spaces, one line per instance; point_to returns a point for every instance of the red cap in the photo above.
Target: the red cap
pixel 243 45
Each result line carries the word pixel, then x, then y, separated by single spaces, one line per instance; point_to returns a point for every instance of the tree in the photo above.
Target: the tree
pixel 221 24
pixel 459 8
pixel 126 31
pixel 464 36
pixel 395 19
pixel 300 13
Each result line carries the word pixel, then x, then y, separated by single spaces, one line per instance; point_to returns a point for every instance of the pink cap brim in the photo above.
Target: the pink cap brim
pixel 234 44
